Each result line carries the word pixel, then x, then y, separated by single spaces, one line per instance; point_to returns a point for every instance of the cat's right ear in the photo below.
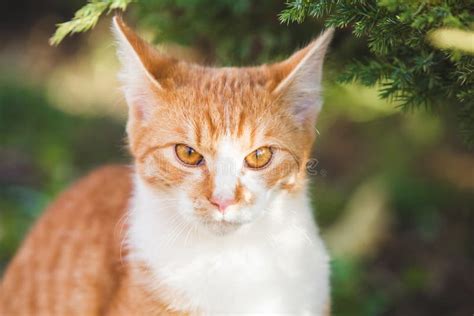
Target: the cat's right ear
pixel 143 67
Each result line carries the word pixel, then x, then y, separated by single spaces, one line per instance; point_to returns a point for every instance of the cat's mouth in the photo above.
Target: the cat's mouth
pixel 221 222
pixel 221 227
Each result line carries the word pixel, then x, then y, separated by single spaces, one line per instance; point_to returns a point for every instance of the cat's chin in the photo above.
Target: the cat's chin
pixel 221 228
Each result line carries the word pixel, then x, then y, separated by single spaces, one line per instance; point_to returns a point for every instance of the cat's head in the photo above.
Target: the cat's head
pixel 221 143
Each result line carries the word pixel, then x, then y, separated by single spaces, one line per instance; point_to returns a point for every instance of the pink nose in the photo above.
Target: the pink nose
pixel 222 204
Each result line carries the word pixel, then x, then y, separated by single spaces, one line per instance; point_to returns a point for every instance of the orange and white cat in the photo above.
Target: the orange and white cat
pixel 213 218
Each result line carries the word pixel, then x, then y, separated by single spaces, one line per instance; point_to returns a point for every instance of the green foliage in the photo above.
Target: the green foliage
pixel 229 32
pixel 402 61
pixel 86 18
pixel 226 32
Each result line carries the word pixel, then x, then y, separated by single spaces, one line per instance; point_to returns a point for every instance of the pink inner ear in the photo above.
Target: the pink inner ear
pixel 305 109
pixel 137 111
pixel 142 103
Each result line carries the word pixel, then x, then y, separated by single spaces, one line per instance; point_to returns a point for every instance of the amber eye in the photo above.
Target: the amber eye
pixel 259 158
pixel 188 155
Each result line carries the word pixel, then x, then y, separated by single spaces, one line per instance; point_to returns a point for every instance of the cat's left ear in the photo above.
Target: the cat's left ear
pixel 300 79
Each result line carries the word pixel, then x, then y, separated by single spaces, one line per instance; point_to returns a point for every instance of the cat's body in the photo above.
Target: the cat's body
pixel 220 228
pixel 73 260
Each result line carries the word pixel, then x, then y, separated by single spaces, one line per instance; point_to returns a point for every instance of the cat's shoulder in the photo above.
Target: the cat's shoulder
pixel 115 175
pixel 103 188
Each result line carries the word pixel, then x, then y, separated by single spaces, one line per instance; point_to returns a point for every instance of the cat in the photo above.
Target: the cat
pixel 213 218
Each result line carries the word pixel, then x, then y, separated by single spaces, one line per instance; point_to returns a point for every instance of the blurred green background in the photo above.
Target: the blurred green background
pixel 392 191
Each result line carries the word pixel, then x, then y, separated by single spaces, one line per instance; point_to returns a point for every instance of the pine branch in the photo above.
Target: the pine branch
pixel 86 18
pixel 421 52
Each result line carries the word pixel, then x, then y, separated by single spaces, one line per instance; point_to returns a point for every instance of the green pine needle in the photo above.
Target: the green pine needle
pixel 408 61
pixel 86 18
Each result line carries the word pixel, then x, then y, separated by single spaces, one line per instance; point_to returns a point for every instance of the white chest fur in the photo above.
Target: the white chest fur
pixel 276 265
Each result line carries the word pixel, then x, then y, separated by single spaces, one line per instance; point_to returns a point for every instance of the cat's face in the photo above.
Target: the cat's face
pixel 222 146
pixel 222 143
